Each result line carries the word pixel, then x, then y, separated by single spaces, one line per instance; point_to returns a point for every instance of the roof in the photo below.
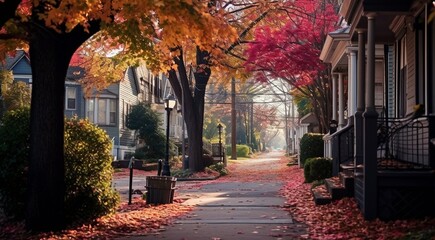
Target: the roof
pixel 309 118
pixel 12 59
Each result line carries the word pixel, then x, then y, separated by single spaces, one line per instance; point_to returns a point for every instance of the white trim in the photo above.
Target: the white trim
pixel 96 105
pixel 66 98
pixel 22 75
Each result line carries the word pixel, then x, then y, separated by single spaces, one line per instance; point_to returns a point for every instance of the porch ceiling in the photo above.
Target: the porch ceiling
pixel 386 10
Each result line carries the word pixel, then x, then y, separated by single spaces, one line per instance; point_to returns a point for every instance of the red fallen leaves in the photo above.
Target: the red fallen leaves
pixel 136 219
pixel 341 219
pixel 269 171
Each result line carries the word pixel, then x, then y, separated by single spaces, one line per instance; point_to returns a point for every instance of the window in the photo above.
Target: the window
pixel 101 111
pixel 71 98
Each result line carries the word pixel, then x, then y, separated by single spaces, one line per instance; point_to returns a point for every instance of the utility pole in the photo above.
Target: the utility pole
pixel 251 124
pixel 287 143
pixel 233 119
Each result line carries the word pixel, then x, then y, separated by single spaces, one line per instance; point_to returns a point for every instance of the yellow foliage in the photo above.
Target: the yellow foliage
pixel 150 29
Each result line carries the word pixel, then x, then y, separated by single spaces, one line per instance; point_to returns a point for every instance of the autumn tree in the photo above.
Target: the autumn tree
pixel 288 48
pixel 13 94
pixel 53 31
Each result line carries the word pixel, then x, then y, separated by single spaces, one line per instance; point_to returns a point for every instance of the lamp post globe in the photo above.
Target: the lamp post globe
pixel 169 105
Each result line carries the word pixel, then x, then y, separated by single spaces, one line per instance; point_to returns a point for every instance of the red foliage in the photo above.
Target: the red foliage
pixel 290 49
pixel 130 220
pixel 340 219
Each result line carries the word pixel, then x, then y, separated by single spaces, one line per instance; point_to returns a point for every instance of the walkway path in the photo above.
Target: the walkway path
pixel 244 205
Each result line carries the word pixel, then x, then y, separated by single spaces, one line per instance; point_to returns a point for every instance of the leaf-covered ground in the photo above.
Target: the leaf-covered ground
pixel 129 220
pixel 338 220
pixel 342 219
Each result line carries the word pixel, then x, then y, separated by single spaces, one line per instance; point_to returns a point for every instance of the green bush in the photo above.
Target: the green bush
pixel 147 123
pixel 317 169
pixel 88 170
pixel 242 150
pixel 311 146
pixel 14 152
pixel 220 168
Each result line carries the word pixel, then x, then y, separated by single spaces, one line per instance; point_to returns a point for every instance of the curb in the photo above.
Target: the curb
pixel 197 179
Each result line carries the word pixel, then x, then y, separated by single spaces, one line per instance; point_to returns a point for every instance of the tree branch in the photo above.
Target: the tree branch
pixel 7 10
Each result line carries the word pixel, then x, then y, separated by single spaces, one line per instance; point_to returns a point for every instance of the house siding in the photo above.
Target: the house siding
pixel 22 67
pixel 128 96
pixel 391 82
pixel 410 84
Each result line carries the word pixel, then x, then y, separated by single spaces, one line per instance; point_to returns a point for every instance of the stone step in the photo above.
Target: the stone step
pixel 335 188
pixel 321 195
pixel 348 181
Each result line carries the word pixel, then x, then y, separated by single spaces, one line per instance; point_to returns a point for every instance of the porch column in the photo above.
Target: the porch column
pixel 334 97
pixel 352 81
pixel 340 101
pixel 360 105
pixel 370 118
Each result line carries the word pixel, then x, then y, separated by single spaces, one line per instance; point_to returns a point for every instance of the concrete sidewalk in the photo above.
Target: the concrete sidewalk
pixel 233 210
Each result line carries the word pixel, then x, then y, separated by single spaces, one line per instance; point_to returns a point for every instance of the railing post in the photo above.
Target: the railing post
pixel 335 153
pixel 431 120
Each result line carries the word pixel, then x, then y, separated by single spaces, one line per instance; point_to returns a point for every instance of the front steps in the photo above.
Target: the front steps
pixel 334 188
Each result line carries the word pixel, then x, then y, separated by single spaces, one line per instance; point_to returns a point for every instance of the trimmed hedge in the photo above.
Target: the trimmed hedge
pixel 311 146
pixel 242 150
pixel 88 170
pixel 317 169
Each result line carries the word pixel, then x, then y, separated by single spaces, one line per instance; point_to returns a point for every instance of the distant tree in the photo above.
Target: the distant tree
pixel 13 94
pixel 289 50
pixel 147 124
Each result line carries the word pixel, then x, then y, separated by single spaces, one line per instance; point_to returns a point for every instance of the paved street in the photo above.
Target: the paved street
pixel 245 205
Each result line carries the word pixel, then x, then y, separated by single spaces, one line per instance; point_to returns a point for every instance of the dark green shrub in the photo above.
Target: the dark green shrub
pixel 88 170
pixel 311 146
pixel 220 168
pixel 14 151
pixel 88 174
pixel 147 123
pixel 242 150
pixel 317 169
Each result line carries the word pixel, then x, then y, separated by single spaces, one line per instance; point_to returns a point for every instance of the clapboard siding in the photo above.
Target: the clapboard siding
pixel 128 97
pixel 410 84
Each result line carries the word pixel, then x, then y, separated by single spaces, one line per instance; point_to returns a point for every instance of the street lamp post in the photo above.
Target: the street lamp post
pixel 169 105
pixel 219 126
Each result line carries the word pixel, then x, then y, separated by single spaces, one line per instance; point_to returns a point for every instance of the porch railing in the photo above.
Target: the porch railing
pixel 342 147
pixel 406 144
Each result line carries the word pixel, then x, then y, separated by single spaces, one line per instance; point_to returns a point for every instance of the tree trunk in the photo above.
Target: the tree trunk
pixel 193 104
pixel 46 191
pixel 50 54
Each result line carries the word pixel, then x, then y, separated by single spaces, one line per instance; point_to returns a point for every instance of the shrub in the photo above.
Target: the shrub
pixel 88 170
pixel 180 173
pixel 147 123
pixel 220 168
pixel 14 151
pixel 311 146
pixel 242 150
pixel 88 174
pixel 317 169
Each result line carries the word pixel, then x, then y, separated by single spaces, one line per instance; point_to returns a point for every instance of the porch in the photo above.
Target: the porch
pixel 405 168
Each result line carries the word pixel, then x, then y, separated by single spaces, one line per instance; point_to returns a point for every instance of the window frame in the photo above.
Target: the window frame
pixel 67 98
pixel 108 103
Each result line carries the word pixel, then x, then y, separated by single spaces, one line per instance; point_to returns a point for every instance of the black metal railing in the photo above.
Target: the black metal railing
pixel 405 144
pixel 342 147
